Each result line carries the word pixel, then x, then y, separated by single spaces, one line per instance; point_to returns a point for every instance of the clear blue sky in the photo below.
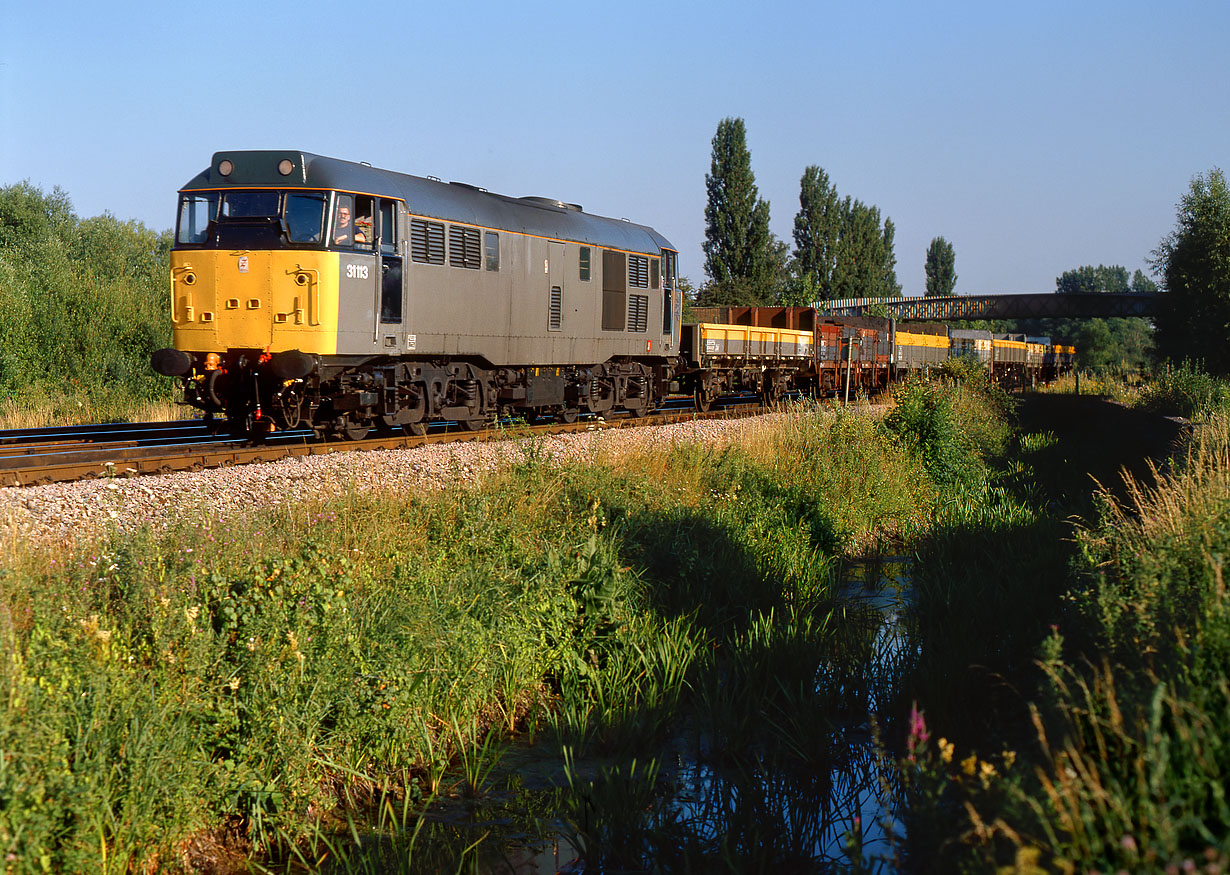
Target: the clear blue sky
pixel 1035 137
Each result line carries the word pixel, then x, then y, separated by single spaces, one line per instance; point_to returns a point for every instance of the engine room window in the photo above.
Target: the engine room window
pixel 196 211
pixel 655 274
pixel 305 217
pixel 585 264
pixel 492 241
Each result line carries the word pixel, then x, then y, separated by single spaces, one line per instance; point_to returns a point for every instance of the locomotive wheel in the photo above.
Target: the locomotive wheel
pixel 354 431
pixel 418 429
pixel 473 424
pixel 568 415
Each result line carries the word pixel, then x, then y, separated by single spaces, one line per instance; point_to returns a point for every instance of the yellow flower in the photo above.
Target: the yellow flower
pixel 969 765
pixel 986 772
pixel 946 750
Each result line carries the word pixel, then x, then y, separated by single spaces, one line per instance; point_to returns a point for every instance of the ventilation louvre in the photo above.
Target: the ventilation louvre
pixel 638 313
pixel 555 309
pixel 427 241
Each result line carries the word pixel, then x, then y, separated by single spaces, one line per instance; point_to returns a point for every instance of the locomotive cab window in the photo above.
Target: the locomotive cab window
pixel 669 272
pixel 388 227
pixel 305 217
pixel 364 225
pixel 196 213
pixel 343 221
pixel 260 219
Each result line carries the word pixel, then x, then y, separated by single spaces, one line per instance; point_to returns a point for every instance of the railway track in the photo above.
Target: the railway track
pixel 30 457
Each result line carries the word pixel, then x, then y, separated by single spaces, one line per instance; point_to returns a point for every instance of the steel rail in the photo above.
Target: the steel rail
pixel 126 460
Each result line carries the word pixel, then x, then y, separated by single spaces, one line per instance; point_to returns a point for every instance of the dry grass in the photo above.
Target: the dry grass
pixel 49 411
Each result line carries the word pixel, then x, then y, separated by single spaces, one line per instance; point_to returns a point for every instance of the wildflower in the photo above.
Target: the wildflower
pixel 969 765
pixel 191 613
pixel 986 772
pixel 918 731
pixel 233 683
pixel 946 750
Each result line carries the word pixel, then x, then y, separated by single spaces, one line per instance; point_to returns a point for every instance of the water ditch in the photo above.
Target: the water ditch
pixel 761 788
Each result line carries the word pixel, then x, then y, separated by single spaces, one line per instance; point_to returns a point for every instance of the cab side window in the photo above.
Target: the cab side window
pixel 388 227
pixel 343 221
pixel 364 227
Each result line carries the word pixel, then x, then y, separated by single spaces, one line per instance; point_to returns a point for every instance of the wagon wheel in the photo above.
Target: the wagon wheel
pixel 567 415
pixel 702 399
pixel 770 394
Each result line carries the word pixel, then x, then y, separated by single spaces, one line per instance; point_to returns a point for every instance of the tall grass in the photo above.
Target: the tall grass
pixel 1118 756
pixel 246 677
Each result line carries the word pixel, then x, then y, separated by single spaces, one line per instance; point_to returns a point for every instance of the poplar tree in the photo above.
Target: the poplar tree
pixel 738 244
pixel 941 268
pixel 817 229
pixel 841 249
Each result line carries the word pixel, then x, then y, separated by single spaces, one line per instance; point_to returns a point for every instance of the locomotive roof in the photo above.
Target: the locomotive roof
pixel 430 198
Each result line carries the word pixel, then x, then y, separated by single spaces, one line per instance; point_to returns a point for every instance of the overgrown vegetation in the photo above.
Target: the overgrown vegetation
pixel 82 305
pixel 162 690
pixel 1111 755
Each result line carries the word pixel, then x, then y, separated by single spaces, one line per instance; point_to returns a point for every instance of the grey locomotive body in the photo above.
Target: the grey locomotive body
pixel 309 291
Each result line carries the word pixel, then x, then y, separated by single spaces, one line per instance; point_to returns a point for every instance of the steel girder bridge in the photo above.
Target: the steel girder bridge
pixel 1051 305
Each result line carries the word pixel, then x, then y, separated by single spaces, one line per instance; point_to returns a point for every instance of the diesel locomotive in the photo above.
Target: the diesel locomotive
pixel 308 291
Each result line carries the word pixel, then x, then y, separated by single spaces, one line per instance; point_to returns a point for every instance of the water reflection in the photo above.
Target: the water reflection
pixel 774 769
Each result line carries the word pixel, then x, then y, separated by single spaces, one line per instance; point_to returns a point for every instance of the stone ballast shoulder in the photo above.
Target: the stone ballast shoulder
pixel 61 512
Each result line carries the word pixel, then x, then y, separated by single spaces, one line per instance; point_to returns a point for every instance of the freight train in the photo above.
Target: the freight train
pixel 312 292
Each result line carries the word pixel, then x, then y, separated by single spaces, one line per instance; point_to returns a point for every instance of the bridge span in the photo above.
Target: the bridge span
pixel 1030 306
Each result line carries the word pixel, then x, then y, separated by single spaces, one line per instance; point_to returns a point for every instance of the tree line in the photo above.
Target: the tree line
pixel 843 248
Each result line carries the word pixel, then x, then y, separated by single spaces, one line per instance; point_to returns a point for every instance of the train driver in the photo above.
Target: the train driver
pixel 343 233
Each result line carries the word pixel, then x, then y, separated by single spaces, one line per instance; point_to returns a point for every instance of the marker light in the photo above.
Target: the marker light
pixel 225 167
pixel 212 361
pixel 285 166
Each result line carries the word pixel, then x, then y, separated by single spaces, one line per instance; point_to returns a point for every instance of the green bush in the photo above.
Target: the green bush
pixel 83 303
pixel 1185 391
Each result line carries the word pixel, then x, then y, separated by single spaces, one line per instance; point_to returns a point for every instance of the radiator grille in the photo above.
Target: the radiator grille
pixel 464 247
pixel 427 241
pixel 638 271
pixel 638 312
pixel 555 309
